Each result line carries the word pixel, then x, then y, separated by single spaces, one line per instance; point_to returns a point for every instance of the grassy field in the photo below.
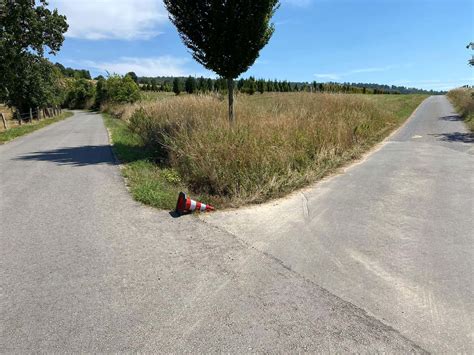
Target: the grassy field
pixel 463 101
pixel 155 95
pixel 281 142
pixel 17 131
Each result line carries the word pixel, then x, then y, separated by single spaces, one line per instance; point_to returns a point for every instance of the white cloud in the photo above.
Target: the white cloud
pixel 371 70
pixel 112 19
pixel 328 76
pixel 158 66
pixel 337 76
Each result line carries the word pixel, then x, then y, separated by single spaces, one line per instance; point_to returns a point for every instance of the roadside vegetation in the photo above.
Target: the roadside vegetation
pixel 18 131
pixel 279 143
pixel 463 101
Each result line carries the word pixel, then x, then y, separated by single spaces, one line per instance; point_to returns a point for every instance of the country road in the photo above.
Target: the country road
pixel 393 235
pixel 379 258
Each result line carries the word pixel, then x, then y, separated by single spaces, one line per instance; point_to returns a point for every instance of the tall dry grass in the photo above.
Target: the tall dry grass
pixel 280 142
pixel 463 101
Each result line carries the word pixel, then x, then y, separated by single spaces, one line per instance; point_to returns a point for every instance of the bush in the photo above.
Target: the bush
pixel 80 94
pixel 122 89
pixel 279 142
pixel 463 101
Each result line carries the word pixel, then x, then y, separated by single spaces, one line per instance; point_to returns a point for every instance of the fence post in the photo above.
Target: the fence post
pixel 18 116
pixel 31 115
pixel 4 121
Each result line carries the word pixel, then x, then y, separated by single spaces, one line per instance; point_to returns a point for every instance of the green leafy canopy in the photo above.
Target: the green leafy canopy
pixel 224 36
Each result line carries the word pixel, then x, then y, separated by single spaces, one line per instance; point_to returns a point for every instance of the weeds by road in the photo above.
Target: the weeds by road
pixel 26 128
pixel 281 142
pixel 463 101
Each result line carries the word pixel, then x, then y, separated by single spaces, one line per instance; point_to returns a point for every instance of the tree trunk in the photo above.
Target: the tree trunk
pixel 31 115
pixel 230 88
pixel 18 116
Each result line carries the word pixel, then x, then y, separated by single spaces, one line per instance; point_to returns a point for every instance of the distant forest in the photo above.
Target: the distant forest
pixel 251 85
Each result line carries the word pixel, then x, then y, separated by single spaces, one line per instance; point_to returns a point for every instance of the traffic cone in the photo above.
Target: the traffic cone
pixel 186 205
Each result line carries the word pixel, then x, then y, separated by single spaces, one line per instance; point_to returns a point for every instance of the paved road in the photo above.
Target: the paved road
pixel 356 263
pixel 84 268
pixel 392 235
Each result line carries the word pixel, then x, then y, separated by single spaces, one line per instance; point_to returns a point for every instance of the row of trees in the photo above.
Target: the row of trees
pixel 73 73
pixel 27 30
pixel 251 86
pixel 83 93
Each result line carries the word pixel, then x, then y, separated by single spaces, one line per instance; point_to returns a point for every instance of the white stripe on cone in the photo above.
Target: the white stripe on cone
pixel 193 205
pixel 203 207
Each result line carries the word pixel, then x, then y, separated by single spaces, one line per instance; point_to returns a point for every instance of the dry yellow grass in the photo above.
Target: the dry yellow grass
pixel 463 101
pixel 9 117
pixel 280 141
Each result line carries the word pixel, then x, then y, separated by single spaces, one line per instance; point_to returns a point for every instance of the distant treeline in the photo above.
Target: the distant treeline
pixel 73 73
pixel 251 85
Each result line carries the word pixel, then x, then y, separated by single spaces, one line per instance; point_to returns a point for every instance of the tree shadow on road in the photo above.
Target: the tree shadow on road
pixel 451 118
pixel 75 156
pixel 455 137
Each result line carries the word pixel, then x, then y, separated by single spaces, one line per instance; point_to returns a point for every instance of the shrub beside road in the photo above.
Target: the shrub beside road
pixel 281 142
pixel 463 101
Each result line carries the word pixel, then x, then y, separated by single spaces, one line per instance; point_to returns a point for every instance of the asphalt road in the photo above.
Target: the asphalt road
pixel 85 268
pixel 392 235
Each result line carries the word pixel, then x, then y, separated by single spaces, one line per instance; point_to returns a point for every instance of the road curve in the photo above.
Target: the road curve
pixel 84 268
pixel 392 235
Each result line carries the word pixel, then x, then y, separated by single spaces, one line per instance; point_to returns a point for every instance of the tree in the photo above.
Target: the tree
pixel 209 85
pixel 224 36
pixel 133 76
pixel 251 86
pixel 176 86
pixel 471 61
pixel 190 85
pixel 153 85
pixel 80 94
pixel 40 84
pixel 100 92
pixel 27 29
pixel 122 89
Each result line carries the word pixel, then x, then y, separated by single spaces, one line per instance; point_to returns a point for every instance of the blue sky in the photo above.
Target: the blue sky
pixel 415 43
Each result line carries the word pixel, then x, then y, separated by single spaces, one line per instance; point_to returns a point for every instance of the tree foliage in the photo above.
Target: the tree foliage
pixel 190 85
pixel 27 30
pixel 80 94
pixel 119 89
pixel 224 36
pixel 471 61
pixel 133 76
pixel 176 86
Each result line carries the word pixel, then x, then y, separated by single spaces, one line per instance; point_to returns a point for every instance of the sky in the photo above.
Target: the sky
pixel 414 43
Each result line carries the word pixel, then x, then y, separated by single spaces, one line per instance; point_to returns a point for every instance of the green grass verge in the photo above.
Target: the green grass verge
pixel 148 182
pixel 27 128
pixel 155 184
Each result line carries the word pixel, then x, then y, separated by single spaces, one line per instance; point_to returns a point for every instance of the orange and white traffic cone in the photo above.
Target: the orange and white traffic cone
pixel 186 205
